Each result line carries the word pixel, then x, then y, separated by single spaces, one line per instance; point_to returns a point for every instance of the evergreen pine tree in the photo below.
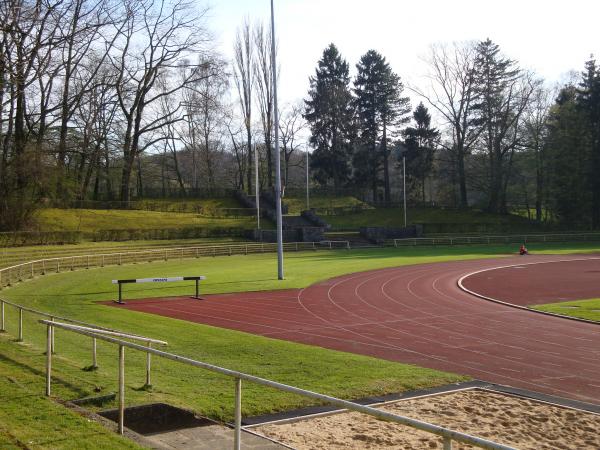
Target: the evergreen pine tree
pixel 329 113
pixel 420 142
pixel 379 107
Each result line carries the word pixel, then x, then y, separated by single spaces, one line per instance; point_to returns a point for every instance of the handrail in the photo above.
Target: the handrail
pixel 76 323
pixel 447 434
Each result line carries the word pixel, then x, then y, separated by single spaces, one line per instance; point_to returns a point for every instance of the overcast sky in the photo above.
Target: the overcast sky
pixel 550 37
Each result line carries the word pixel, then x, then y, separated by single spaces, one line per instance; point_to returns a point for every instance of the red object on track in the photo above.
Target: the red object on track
pixel 417 314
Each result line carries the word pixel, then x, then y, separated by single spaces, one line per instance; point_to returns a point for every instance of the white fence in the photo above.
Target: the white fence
pixel 31 269
pixel 506 239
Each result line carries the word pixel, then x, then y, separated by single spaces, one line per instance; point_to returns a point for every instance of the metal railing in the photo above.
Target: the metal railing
pixel 506 239
pixel 31 269
pixel 447 435
pixel 75 324
pixel 331 245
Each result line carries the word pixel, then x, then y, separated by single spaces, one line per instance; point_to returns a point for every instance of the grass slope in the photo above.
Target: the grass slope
pixel 90 220
pixel 584 309
pixel 30 420
pixel 394 217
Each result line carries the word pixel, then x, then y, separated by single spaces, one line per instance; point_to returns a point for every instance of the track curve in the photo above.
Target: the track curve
pixel 417 314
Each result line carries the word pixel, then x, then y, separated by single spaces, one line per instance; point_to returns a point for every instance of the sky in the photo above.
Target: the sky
pixel 550 37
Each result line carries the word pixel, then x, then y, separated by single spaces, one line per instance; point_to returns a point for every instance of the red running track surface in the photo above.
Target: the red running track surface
pixel 417 314
pixel 535 284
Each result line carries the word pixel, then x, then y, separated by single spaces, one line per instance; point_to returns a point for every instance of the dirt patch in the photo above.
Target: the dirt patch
pixel 521 423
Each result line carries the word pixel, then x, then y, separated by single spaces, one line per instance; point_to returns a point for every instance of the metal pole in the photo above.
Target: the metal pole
pixel 2 327
pixel 237 437
pixel 94 354
pixel 197 288
pixel 277 155
pixel 121 388
pixel 307 190
pixel 48 359
pixel 447 443
pixel 20 339
pixel 52 336
pixel 256 188
pixel 148 361
pixel 404 187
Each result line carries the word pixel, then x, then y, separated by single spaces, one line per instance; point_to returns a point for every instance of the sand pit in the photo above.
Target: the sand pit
pixel 509 420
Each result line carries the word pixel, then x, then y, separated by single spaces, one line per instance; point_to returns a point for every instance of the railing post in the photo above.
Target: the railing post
pixel 94 354
pixel 49 333
pixel 447 443
pixel 2 327
pixel 148 361
pixel 121 388
pixel 237 437
pixel 52 336
pixel 20 338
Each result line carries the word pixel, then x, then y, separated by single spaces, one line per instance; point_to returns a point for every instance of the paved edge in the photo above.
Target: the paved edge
pixel 313 411
pixel 512 305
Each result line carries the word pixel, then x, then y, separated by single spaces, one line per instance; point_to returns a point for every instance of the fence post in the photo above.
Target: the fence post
pixel 94 354
pixel 102 263
pixel 121 388
pixel 20 338
pixel 32 270
pixel 447 443
pixel 43 267
pixel 49 333
pixel 120 254
pixel 57 265
pixel 238 415
pixel 2 329
pixel 72 263
pixel 88 262
pixel 148 361
pixel 52 336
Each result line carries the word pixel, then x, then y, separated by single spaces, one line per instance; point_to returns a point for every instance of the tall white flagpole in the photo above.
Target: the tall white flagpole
pixel 277 154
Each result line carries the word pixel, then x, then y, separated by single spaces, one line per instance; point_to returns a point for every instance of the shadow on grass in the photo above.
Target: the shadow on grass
pixel 39 373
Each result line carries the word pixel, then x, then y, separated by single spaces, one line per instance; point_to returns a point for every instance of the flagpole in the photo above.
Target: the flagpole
pixel 277 154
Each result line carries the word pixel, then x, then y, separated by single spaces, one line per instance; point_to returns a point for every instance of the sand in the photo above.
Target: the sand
pixel 509 420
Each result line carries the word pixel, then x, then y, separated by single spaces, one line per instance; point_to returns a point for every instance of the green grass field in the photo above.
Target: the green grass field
pixel 584 309
pixel 29 420
pixel 76 295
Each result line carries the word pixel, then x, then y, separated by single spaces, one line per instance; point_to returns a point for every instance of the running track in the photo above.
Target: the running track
pixel 418 314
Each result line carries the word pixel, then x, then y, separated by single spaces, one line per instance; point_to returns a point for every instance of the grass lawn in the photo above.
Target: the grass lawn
pixel 76 294
pixel 584 309
pixel 90 220
pixel 298 204
pixel 394 217
pixel 30 420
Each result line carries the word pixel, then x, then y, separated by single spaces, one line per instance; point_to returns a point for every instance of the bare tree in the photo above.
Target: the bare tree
pixel 158 38
pixel 263 68
pixel 244 80
pixel 291 127
pixel 452 94
pixel 536 131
